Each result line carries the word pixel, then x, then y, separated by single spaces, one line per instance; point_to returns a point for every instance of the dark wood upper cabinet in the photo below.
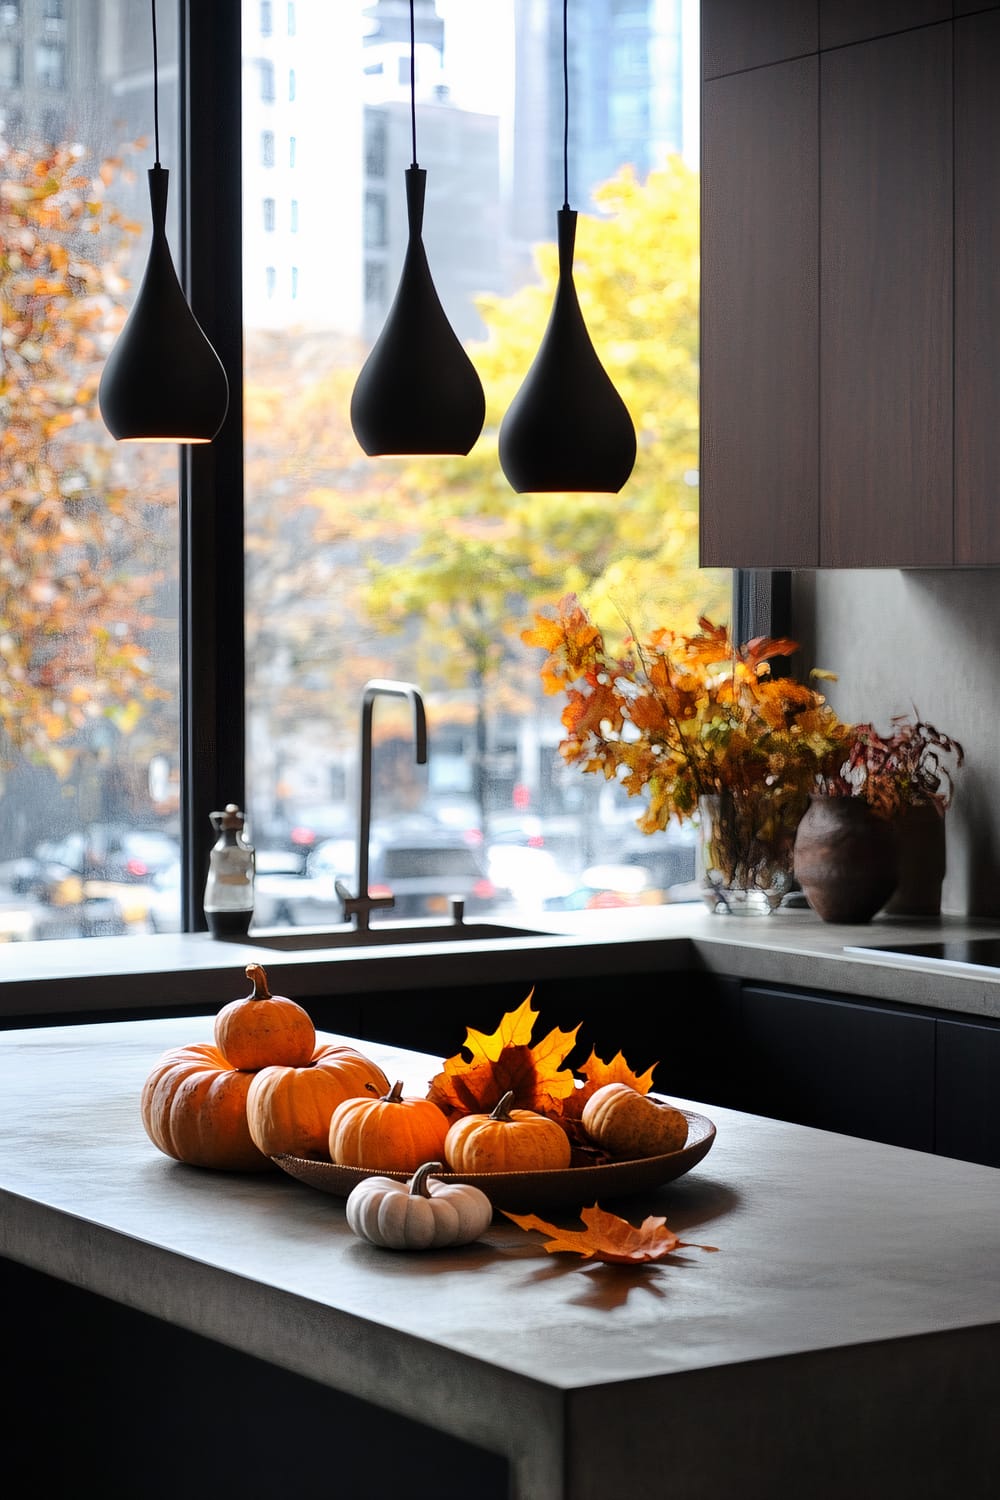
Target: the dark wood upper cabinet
pixel 759 352
pixel 886 306
pixel 851 303
pixel 977 289
pixel 845 21
pixel 736 34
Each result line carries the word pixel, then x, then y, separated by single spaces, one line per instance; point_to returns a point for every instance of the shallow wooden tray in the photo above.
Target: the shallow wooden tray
pixel 525 1192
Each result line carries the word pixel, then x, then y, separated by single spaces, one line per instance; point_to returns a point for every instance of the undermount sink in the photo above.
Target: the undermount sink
pixel 383 934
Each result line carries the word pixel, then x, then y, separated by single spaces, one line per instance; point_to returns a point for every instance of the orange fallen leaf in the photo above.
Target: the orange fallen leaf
pixel 506 1061
pixel 609 1238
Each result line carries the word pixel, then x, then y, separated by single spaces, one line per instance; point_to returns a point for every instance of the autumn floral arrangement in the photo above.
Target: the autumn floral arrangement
pixel 681 718
pixel 911 766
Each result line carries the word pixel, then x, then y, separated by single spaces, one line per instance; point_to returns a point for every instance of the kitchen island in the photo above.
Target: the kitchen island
pixel 846 1336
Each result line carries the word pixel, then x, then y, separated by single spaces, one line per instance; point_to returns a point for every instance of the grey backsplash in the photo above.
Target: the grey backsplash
pixel 924 641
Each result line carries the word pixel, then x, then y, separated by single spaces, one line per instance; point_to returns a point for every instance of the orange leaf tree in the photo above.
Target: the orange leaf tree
pixel 77 569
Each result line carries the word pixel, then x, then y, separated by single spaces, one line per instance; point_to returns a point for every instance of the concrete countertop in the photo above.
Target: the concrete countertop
pixel 847 1328
pixel 789 947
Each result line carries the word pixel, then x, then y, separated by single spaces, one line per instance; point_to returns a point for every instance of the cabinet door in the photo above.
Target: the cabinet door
pixel 886 302
pixel 847 1066
pixel 977 293
pixel 735 35
pixel 967 1123
pixel 844 21
pixel 759 310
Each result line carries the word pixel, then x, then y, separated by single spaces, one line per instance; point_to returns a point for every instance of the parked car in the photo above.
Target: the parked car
pixel 421 868
pixel 602 886
pixel 111 851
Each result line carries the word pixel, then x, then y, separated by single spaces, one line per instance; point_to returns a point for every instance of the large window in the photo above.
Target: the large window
pixel 428 571
pixel 89 718
pixel 123 720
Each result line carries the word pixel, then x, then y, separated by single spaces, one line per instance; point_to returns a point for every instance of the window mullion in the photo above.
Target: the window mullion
pixel 211 485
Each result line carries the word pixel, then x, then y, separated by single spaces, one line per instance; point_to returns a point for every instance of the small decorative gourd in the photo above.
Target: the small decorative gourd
pixel 194 1108
pixel 261 1029
pixel 422 1214
pixel 390 1132
pixel 289 1109
pixel 508 1140
pixel 633 1125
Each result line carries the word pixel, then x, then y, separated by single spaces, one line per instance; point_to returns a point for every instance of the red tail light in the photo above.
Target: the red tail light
pixel 484 889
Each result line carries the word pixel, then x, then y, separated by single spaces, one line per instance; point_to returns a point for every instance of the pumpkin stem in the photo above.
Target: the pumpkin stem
pixel 395 1094
pixel 418 1182
pixel 258 979
pixel 502 1110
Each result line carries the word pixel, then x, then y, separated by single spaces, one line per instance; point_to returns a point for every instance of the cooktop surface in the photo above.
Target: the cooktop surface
pixel 975 953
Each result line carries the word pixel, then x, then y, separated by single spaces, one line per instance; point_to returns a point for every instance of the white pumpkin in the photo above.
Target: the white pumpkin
pixel 422 1214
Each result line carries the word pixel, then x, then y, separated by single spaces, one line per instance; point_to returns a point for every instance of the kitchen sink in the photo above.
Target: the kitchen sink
pixel 294 939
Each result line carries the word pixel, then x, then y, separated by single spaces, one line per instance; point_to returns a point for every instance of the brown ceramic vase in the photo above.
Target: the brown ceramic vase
pixel 920 844
pixel 845 859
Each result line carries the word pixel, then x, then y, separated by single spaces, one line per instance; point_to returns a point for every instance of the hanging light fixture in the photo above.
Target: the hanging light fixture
pixel 418 391
pixel 163 382
pixel 567 428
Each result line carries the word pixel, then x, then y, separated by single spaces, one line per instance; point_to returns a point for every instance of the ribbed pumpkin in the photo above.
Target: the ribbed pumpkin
pixel 262 1030
pixel 508 1140
pixel 194 1108
pixel 422 1214
pixel 633 1125
pixel 390 1132
pixel 289 1109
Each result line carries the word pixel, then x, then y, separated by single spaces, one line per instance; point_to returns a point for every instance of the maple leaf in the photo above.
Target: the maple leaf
pixel 596 1073
pixel 506 1061
pixel 609 1238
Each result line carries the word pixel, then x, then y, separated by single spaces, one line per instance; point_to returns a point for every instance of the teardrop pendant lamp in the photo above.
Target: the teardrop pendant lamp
pixel 418 391
pixel 163 382
pixel 567 428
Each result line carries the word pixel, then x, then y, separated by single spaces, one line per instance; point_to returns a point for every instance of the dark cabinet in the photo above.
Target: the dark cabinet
pixel 845 21
pixel 977 292
pixel 759 318
pixel 967 1091
pixel 735 35
pixel 885 471
pixel 850 318
pixel 855 1068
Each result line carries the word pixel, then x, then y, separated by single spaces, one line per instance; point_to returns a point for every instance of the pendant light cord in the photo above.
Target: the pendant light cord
pixel 565 104
pixel 156 91
pixel 413 87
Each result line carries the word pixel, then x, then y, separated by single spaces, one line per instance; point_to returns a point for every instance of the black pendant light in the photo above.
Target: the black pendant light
pixel 163 381
pixel 567 428
pixel 418 391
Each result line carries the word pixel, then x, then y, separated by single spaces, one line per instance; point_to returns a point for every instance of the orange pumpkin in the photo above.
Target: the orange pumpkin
pixel 261 1029
pixel 391 1133
pixel 289 1109
pixel 194 1108
pixel 508 1140
pixel 633 1125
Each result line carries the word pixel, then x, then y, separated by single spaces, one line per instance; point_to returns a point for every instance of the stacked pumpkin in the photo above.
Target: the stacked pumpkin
pixel 262 1088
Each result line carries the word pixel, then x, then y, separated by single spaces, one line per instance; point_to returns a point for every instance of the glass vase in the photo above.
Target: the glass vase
pixel 745 852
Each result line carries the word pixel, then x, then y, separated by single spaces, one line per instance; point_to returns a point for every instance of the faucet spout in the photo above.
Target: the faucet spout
pixel 362 904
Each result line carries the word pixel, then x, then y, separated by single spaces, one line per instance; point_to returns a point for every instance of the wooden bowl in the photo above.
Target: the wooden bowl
pixel 526 1192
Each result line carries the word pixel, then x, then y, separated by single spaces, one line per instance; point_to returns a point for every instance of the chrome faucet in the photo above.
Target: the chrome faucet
pixel 362 905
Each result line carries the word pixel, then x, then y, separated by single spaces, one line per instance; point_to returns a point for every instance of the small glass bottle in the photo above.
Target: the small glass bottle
pixel 229 888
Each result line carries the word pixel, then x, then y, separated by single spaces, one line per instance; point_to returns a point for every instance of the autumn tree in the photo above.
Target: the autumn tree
pixel 78 569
